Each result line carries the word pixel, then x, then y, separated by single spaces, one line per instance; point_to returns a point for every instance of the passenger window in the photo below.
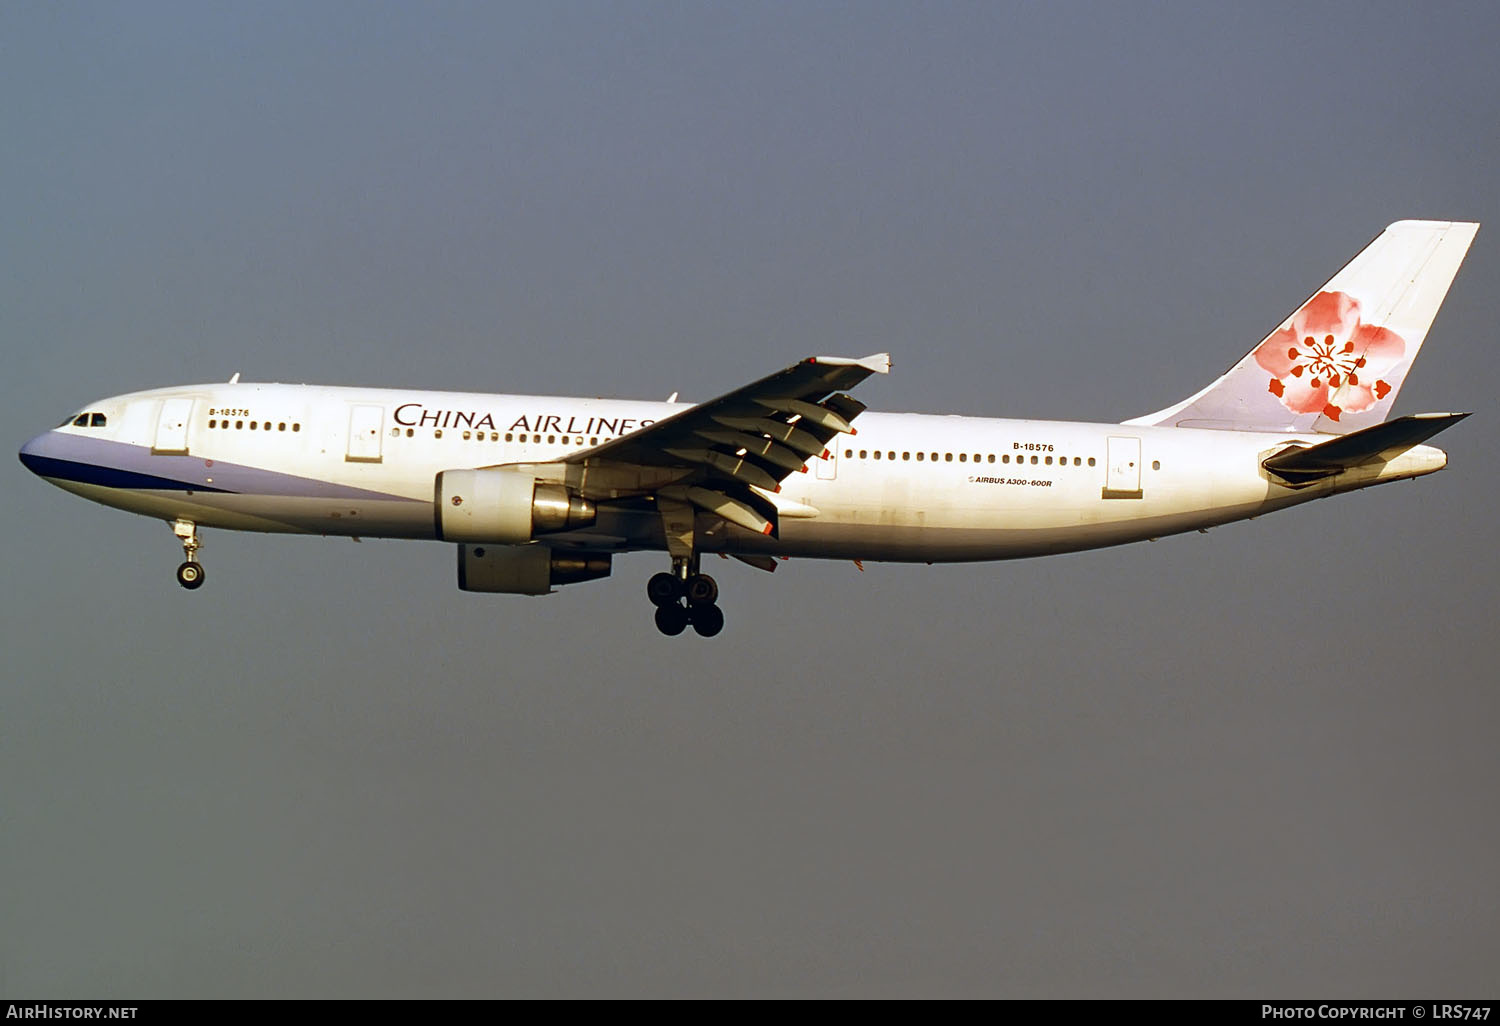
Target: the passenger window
pixel 296 427
pixel 864 454
pixel 282 427
pixel 963 457
pixel 437 433
pixel 1091 461
pixel 947 457
pixel 409 432
pixel 1005 458
pixel 239 424
pixel 877 454
pixel 919 456
pixel 213 423
pixel 992 457
pixel 1033 461
pixel 1049 461
pixel 1156 464
pixel 1077 462
pixel 593 441
pixel 905 456
pixel 848 454
pixel 508 436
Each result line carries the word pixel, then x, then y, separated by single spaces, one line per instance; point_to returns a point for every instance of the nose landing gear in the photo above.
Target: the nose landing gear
pixel 190 573
pixel 685 597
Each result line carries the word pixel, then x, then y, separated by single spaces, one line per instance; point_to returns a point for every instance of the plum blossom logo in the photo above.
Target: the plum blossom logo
pixel 1328 361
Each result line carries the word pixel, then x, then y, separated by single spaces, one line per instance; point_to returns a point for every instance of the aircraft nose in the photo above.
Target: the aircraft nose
pixel 32 453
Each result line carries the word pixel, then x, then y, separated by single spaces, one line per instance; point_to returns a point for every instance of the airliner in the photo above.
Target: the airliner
pixel 538 492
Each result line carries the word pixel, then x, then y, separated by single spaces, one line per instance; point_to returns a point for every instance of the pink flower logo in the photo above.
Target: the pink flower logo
pixel 1327 360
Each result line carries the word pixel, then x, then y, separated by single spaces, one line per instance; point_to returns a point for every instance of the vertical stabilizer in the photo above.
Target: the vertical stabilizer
pixel 1336 364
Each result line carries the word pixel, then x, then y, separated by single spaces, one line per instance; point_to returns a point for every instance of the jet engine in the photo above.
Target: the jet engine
pixel 526 569
pixel 504 506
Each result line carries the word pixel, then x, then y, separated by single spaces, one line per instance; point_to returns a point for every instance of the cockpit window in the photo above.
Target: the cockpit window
pixel 82 420
pixel 86 420
pixel 96 420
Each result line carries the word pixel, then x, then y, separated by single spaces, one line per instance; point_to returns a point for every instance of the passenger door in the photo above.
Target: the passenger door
pixel 172 427
pixel 365 426
pixel 1123 469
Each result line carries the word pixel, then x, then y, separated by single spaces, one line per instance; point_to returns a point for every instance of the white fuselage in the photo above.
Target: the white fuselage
pixel 909 487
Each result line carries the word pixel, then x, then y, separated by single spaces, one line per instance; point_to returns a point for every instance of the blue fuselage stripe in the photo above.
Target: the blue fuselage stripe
pixel 108 477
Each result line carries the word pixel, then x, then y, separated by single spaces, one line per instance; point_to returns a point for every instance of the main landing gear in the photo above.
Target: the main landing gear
pixel 685 597
pixel 190 573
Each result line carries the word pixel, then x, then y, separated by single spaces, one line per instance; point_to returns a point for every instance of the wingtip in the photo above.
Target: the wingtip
pixel 875 363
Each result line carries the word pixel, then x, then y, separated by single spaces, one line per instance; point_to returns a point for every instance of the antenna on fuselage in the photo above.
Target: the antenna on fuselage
pixel 234 379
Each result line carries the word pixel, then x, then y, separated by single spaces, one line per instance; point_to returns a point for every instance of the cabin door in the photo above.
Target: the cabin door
pixel 828 469
pixel 1123 473
pixel 365 426
pixel 172 426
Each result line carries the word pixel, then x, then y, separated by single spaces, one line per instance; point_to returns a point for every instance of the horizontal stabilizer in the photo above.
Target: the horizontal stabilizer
pixel 1375 444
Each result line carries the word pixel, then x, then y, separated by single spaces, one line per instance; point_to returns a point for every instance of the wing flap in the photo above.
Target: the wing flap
pixel 813 413
pixel 741 511
pixel 789 435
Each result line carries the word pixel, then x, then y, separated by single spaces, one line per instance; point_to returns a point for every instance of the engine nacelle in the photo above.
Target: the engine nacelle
pixel 504 506
pixel 526 569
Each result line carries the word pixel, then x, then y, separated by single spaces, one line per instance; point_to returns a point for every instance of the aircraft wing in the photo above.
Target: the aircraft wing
pixel 717 454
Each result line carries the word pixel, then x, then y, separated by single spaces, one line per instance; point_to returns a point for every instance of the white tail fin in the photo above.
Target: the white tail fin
pixel 1336 364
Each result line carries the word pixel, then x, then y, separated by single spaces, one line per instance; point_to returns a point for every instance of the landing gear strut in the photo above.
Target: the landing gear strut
pixel 685 597
pixel 190 573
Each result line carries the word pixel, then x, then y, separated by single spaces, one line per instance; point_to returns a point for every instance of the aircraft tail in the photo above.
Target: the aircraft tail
pixel 1336 364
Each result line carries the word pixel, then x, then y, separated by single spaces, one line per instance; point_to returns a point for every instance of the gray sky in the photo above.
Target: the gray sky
pixel 1256 763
